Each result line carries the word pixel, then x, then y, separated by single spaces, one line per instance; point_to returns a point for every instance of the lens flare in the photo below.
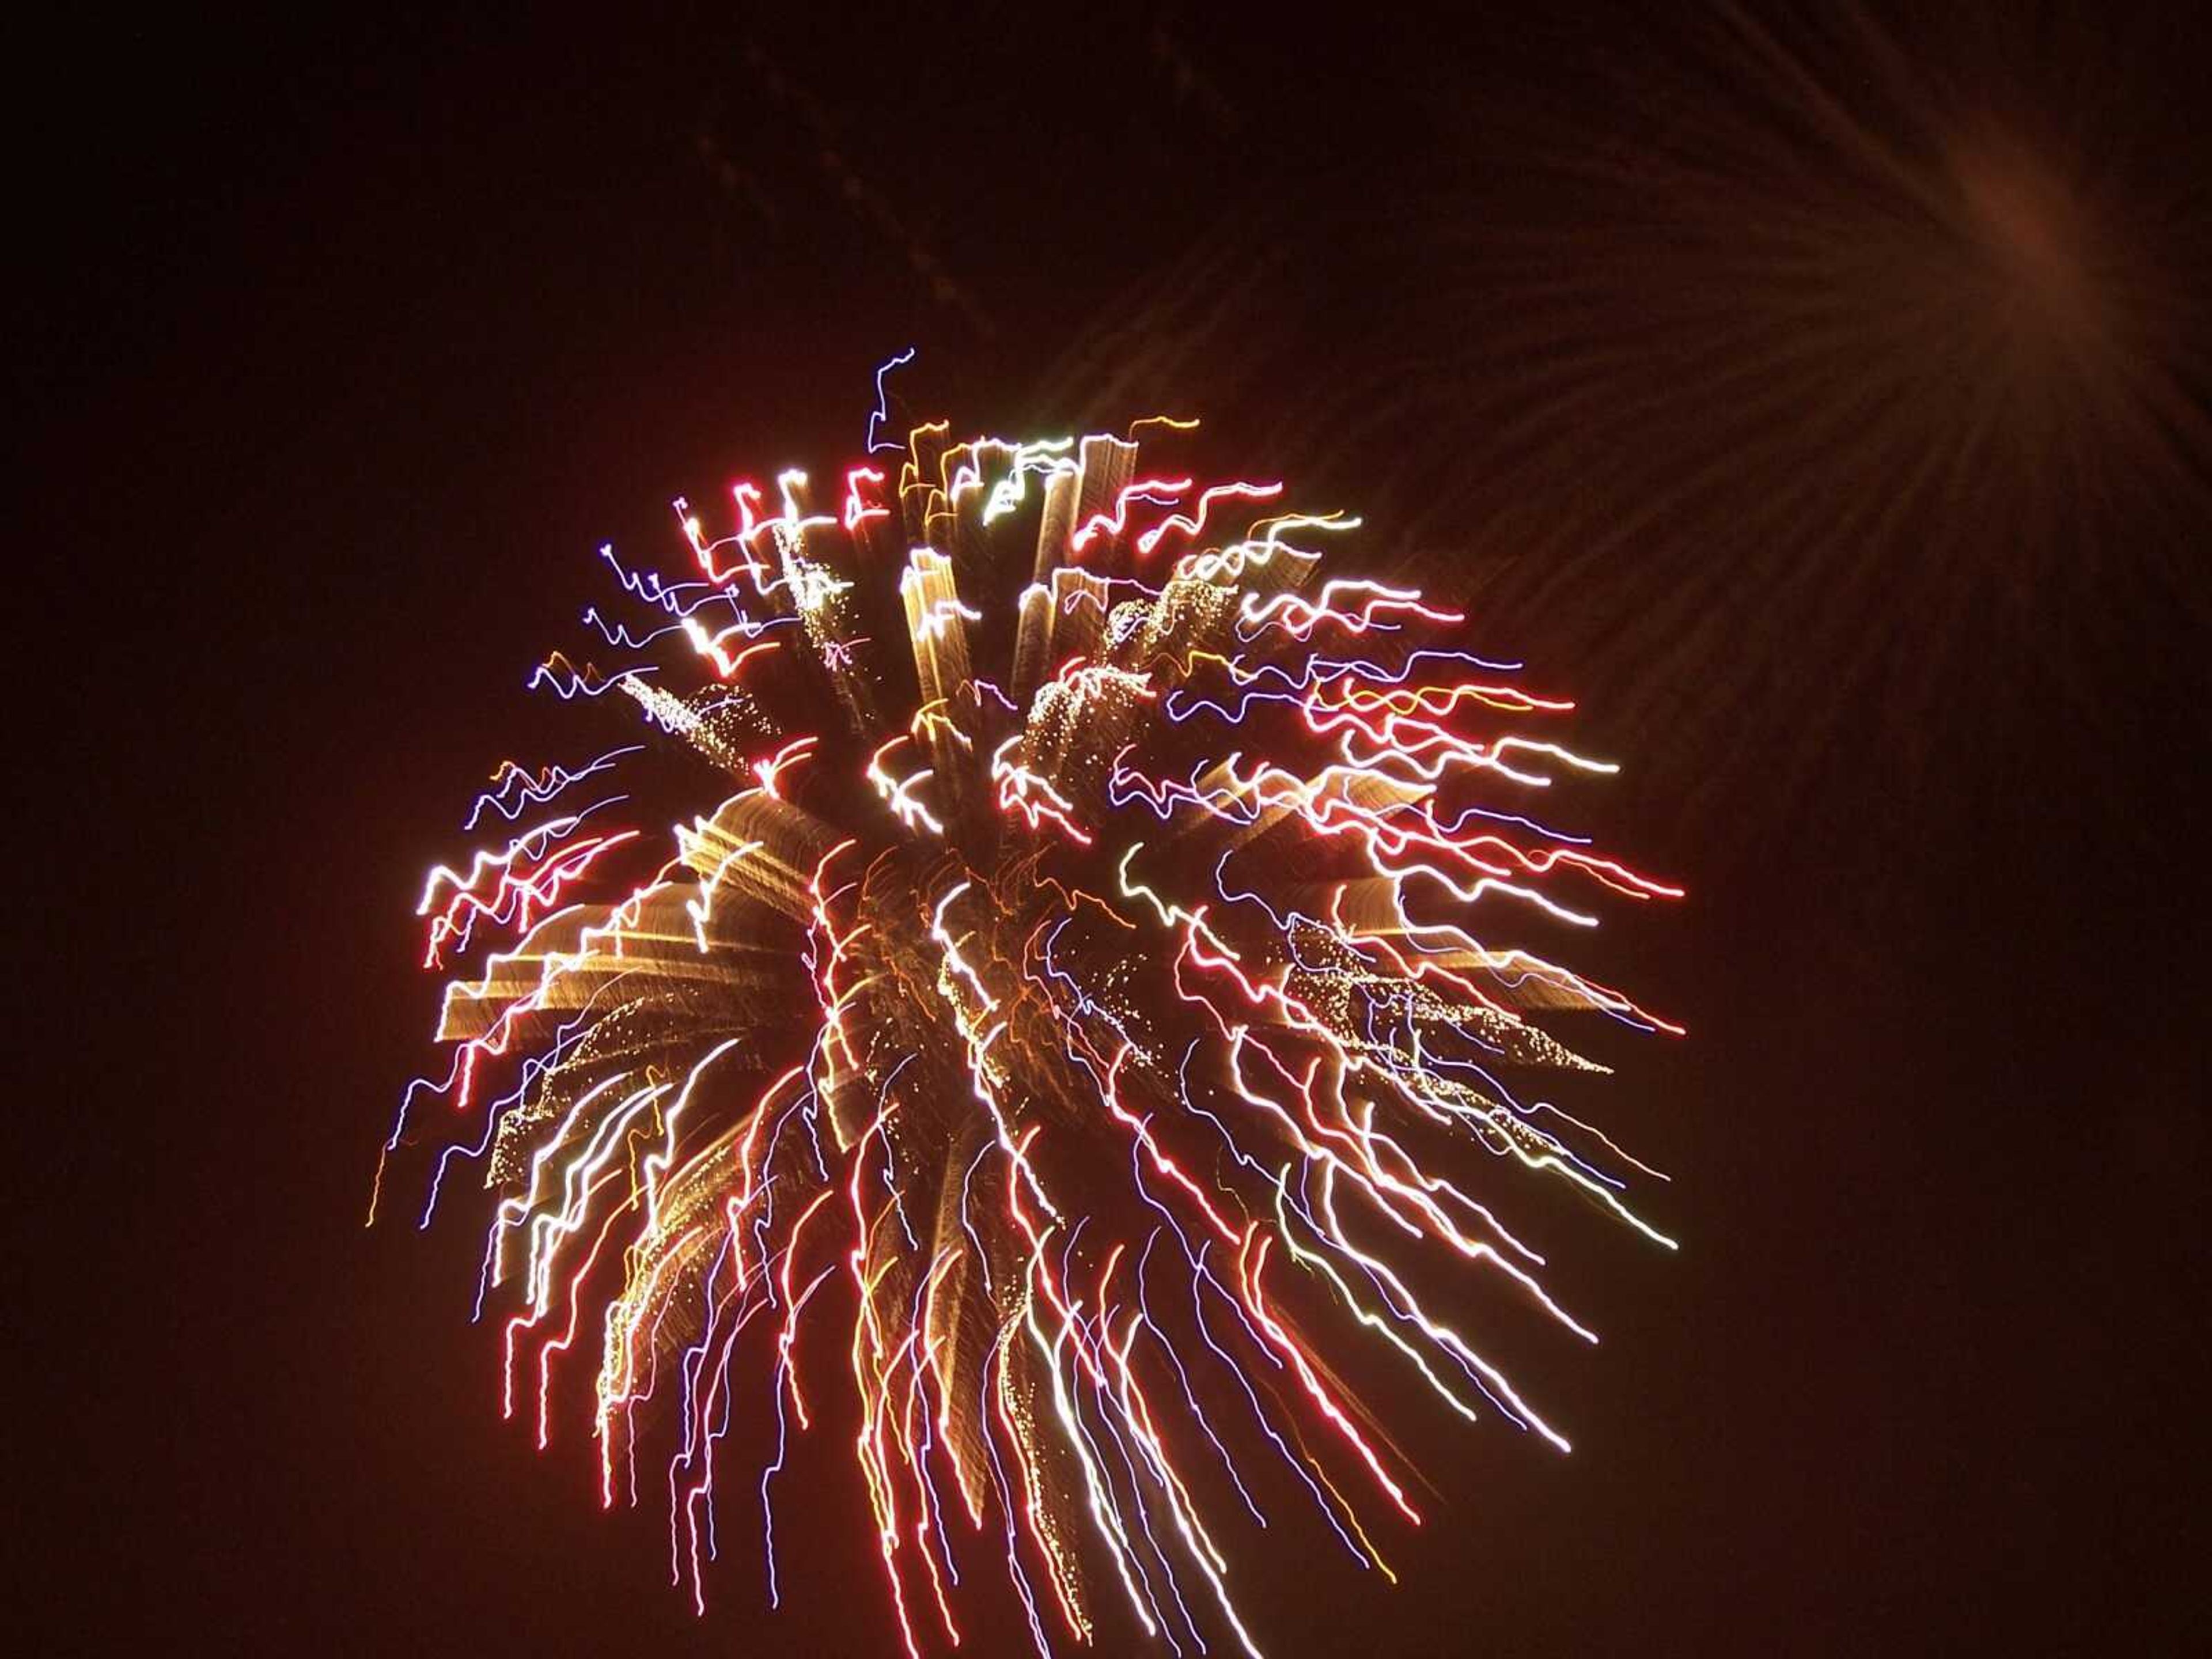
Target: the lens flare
pixel 1071 1001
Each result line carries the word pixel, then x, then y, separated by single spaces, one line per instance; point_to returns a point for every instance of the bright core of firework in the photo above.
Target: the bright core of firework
pixel 1074 972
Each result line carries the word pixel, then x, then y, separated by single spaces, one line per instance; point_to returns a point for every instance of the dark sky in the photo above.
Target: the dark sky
pixel 344 345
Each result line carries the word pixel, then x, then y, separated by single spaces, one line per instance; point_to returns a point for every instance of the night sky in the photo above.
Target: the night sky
pixel 345 346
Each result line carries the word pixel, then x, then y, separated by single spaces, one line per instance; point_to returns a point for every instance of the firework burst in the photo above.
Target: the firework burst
pixel 1826 384
pixel 1073 988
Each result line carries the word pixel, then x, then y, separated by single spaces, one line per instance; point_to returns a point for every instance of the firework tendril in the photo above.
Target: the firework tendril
pixel 1071 987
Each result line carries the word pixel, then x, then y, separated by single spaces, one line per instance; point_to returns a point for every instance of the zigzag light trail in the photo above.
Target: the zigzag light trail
pixel 1072 975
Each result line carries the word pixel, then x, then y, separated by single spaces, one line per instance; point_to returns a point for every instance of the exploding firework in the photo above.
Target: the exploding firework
pixel 1077 975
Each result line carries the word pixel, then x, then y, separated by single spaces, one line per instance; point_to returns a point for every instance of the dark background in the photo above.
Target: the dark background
pixel 343 346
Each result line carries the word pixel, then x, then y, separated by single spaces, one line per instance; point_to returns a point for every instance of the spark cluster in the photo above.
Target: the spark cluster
pixel 1072 993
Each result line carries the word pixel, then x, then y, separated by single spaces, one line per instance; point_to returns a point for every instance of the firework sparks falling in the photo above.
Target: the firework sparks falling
pixel 1072 974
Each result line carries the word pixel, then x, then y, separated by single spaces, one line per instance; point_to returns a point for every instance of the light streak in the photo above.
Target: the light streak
pixel 536 791
pixel 881 413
